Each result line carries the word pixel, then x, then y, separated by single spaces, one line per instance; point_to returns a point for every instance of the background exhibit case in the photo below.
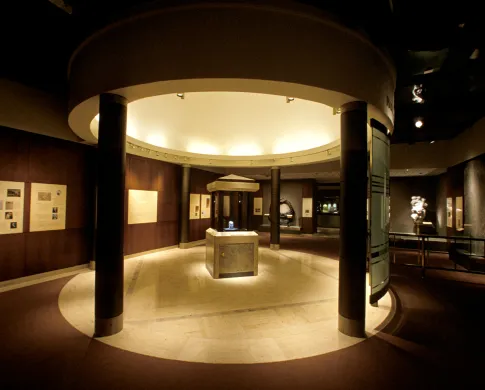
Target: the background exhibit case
pixel 231 250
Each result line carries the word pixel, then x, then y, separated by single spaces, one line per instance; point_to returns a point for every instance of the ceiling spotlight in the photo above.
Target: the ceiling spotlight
pixel 428 71
pixel 337 111
pixel 431 142
pixel 289 99
pixel 388 131
pixel 181 95
pixel 418 123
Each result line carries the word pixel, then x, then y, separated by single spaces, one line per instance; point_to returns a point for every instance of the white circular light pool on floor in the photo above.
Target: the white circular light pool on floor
pixel 175 310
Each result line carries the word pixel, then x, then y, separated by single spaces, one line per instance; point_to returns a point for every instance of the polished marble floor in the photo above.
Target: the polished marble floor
pixel 175 310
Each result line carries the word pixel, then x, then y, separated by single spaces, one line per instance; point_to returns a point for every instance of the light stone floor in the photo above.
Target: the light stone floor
pixel 175 310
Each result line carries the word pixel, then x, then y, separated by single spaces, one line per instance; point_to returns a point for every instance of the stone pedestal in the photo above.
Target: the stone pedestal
pixel 231 254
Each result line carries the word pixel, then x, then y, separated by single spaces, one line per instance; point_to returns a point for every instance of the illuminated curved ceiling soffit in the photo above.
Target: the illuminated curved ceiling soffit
pixel 230 124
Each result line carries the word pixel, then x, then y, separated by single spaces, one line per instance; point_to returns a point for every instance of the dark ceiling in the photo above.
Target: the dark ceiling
pixel 436 37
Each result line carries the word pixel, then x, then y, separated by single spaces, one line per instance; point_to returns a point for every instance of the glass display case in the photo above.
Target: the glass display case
pixel 231 249
pixel 328 205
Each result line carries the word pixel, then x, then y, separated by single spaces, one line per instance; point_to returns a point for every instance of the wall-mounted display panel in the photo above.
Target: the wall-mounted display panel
pixel 11 207
pixel 194 206
pixel 307 207
pixel 449 212
pixel 205 207
pixel 258 206
pixel 142 206
pixel 459 213
pixel 48 207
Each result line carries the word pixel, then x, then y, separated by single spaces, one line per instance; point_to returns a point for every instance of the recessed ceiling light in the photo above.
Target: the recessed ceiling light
pixel 418 123
pixel 181 95
pixel 428 71
pixel 431 142
pixel 289 99
pixel 407 170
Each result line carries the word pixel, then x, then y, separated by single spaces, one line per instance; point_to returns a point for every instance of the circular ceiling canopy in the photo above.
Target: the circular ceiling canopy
pixel 230 123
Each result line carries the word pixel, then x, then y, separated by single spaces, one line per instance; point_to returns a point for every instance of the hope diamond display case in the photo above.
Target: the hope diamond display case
pixel 231 249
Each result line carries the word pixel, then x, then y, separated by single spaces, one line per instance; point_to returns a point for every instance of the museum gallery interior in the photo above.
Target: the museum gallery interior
pixel 242 195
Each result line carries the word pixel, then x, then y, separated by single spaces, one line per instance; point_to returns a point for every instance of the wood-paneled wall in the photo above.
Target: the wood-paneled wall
pixel 153 175
pixel 32 158
pixel 198 185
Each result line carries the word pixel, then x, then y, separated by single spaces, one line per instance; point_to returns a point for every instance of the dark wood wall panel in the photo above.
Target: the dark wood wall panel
pixel 198 185
pixel 12 256
pixel 153 175
pixel 33 158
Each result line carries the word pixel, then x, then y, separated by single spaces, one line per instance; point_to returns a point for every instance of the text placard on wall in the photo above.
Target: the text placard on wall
pixel 142 206
pixel 11 207
pixel 459 213
pixel 205 206
pixel 258 206
pixel 195 206
pixel 307 207
pixel 449 212
pixel 48 207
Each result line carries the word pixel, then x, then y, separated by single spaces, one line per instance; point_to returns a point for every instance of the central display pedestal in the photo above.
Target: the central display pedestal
pixel 232 254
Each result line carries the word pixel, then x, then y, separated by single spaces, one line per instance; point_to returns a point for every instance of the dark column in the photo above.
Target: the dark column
pixel 110 215
pixel 353 224
pixel 275 208
pixel 220 211
pixel 213 210
pixel 185 207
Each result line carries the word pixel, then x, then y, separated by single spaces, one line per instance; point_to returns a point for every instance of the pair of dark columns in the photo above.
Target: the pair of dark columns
pixel 110 216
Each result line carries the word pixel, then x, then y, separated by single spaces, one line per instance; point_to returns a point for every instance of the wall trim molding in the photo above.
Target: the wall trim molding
pixel 188 245
pixel 30 280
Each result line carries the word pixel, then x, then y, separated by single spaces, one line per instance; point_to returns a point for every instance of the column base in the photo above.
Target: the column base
pixel 274 247
pixel 352 328
pixel 108 326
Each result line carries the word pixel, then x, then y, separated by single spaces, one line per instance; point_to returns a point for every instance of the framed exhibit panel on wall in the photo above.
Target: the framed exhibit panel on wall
pixel 449 212
pixel 142 206
pixel 258 206
pixel 48 207
pixel 459 213
pixel 307 207
pixel 195 206
pixel 205 206
pixel 11 207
